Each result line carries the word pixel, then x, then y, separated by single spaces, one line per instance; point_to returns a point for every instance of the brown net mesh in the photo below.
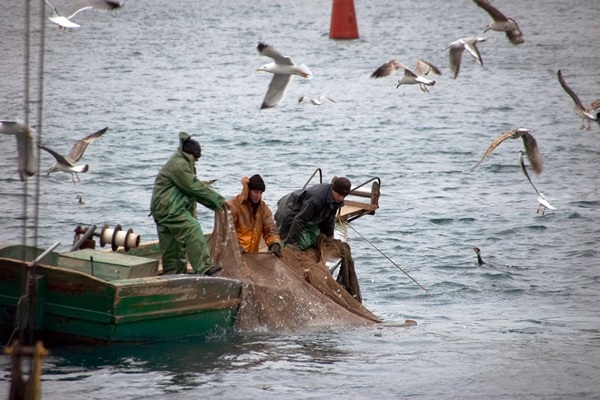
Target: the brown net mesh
pixel 290 293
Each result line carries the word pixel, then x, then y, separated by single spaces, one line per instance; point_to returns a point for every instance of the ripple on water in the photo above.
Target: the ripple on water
pixel 442 221
pixel 433 209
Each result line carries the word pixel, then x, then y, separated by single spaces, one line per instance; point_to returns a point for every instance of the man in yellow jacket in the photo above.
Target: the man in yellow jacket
pixel 252 217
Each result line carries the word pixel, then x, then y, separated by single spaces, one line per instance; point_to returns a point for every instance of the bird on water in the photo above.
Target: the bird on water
pixel 480 260
pixel 317 101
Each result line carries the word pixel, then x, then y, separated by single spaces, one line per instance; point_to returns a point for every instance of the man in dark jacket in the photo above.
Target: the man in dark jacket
pixel 306 213
pixel 173 206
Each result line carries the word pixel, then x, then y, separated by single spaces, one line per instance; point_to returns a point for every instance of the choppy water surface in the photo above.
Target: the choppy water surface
pixel 527 329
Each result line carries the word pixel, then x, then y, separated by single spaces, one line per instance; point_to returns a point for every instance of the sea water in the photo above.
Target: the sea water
pixel 528 328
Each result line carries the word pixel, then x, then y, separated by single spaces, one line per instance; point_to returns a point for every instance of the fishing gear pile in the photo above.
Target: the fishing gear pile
pixel 292 293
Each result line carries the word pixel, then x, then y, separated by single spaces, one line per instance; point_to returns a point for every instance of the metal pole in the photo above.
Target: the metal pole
pixel 44 254
pixel 85 237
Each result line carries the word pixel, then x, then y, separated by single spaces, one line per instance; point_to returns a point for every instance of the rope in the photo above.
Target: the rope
pixel 390 260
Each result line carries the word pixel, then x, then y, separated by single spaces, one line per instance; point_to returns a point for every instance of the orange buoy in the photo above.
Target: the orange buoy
pixel 343 20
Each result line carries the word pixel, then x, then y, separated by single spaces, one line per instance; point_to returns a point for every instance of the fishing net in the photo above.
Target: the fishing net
pixel 290 293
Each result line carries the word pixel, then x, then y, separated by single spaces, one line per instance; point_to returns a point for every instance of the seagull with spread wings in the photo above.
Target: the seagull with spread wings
pixel 501 23
pixel 589 113
pixel 66 23
pixel 282 69
pixel 69 163
pixel 531 147
pixel 542 201
pixel 458 47
pixel 410 77
pixel 25 146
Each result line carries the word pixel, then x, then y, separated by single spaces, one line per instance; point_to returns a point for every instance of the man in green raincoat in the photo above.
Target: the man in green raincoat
pixel 173 206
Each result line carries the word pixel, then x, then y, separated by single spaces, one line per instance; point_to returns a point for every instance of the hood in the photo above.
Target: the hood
pixel 183 136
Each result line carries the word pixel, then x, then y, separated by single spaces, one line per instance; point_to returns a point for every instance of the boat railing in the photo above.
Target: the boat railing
pixel 312 176
pixel 355 208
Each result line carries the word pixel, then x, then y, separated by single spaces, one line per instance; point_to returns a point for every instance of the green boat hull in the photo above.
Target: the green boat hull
pixel 97 296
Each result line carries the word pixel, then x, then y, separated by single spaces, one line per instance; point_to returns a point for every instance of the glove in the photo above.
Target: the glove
pixel 275 248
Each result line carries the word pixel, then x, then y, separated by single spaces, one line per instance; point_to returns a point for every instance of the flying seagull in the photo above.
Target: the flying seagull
pixel 501 23
pixel 531 147
pixel 543 202
pixel 25 146
pixel 589 113
pixel 410 77
pixel 282 69
pixel 68 163
pixel 66 23
pixel 316 101
pixel 458 47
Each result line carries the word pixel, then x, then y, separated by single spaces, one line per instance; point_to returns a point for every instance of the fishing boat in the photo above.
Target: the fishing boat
pixel 95 296
pixel 119 294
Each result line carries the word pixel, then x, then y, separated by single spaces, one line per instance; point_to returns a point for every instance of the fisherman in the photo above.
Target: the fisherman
pixel 252 217
pixel 173 206
pixel 304 214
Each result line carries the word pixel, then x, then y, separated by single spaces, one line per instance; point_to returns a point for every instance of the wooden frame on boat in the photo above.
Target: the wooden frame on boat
pixel 353 207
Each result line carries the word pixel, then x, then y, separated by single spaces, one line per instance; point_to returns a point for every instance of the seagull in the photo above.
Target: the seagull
pixel 543 202
pixel 531 147
pixel 589 113
pixel 410 77
pixel 25 146
pixel 67 164
pixel 282 69
pixel 501 23
pixel 316 101
pixel 210 182
pixel 79 199
pixel 456 50
pixel 66 23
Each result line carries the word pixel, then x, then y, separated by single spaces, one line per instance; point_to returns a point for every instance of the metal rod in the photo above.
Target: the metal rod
pixel 336 266
pixel 389 259
pixel 376 178
pixel 85 237
pixel 312 176
pixel 44 254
